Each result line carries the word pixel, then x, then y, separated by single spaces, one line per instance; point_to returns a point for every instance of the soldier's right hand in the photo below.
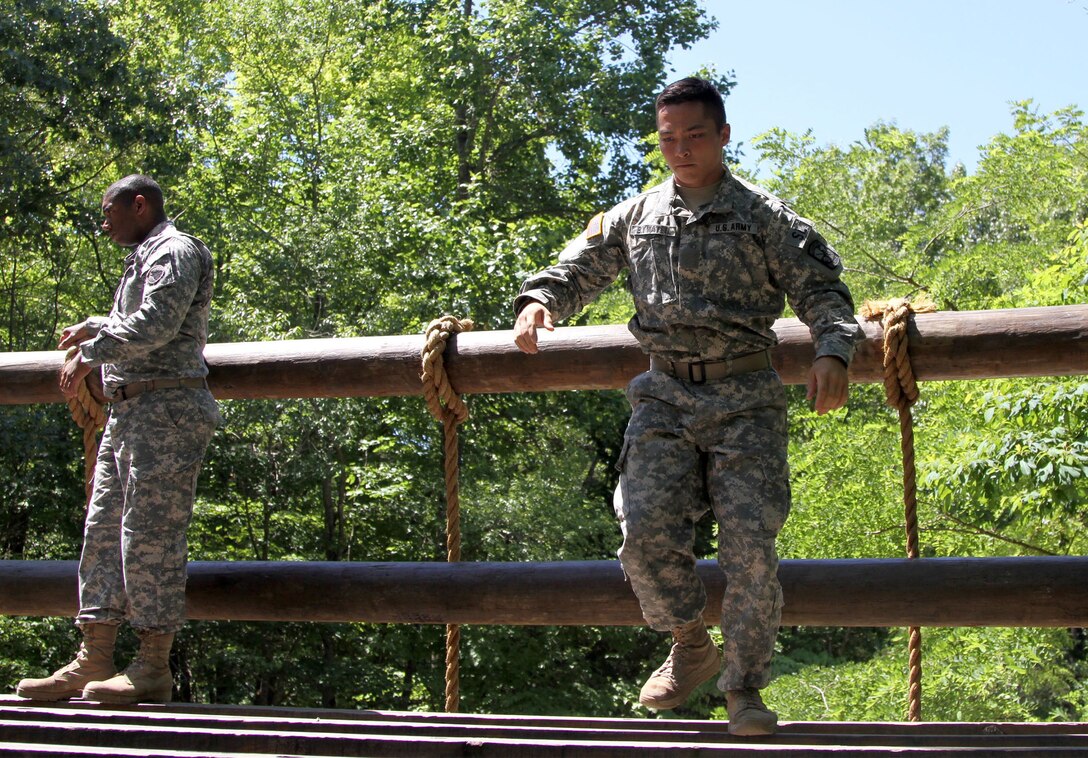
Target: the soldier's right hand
pixel 532 316
pixel 75 334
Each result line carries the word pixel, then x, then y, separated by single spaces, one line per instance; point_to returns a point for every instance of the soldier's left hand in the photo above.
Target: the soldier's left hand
pixel 828 384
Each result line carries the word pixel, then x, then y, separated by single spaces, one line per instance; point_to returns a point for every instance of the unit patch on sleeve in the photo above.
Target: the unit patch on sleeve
pixel 156 273
pixel 824 253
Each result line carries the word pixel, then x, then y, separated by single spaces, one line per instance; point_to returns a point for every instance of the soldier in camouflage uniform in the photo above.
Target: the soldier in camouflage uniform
pixel 150 350
pixel 711 261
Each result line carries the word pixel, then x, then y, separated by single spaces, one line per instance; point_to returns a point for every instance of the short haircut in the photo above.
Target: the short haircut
pixel 694 90
pixel 125 191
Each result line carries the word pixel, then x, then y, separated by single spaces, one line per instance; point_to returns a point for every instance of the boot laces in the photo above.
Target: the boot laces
pixel 749 698
pixel 141 664
pixel 82 657
pixel 689 637
pixel 682 653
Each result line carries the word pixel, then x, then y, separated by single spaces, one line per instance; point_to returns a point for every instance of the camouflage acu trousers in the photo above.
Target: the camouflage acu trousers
pixel 689 448
pixel 134 542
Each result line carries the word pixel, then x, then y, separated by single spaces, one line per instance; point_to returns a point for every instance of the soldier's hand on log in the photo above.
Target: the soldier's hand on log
pixel 532 316
pixel 75 334
pixel 828 384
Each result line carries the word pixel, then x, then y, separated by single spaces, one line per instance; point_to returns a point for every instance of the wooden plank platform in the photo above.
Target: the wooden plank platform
pixel 181 730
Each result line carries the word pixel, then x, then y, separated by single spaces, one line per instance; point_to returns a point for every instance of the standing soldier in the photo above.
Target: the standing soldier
pixel 711 261
pixel 151 352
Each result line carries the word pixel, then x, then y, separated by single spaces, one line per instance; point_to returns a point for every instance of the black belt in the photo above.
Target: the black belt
pixel 131 390
pixel 698 372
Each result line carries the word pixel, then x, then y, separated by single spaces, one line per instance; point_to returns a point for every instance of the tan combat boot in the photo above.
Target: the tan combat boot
pixel 748 716
pixel 146 680
pixel 93 661
pixel 693 660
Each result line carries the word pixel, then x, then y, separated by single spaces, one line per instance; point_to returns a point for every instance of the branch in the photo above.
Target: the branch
pixel 958 216
pixel 975 529
pixel 890 276
pixel 75 188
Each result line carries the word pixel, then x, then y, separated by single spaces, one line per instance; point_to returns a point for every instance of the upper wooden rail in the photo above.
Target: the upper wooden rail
pixel 1046 341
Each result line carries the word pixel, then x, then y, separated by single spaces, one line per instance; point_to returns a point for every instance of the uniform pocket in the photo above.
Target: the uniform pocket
pixel 652 280
pixel 778 501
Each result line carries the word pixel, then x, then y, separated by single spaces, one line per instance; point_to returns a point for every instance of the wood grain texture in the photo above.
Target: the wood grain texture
pixel 1026 591
pixel 1047 341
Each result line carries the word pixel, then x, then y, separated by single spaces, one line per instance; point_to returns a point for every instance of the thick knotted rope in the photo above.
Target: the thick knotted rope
pixel 89 416
pixel 447 406
pixel 901 392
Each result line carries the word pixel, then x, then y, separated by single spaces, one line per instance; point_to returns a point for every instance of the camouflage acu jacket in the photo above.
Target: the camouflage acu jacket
pixel 158 326
pixel 709 284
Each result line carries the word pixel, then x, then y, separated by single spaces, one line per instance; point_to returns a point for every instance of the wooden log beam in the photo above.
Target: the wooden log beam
pixel 1048 341
pixel 39 729
pixel 1030 591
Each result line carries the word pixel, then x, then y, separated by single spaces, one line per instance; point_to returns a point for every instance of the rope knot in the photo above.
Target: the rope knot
pixel 900 387
pixel 443 402
pixel 89 416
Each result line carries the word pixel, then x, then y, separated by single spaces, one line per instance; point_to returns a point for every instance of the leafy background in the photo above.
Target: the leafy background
pixel 360 168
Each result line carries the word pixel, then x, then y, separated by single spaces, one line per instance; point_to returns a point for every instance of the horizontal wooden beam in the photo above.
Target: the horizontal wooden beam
pixel 64 729
pixel 1029 591
pixel 1049 341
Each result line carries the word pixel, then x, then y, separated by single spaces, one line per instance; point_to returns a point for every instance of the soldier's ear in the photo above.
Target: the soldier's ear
pixel 725 134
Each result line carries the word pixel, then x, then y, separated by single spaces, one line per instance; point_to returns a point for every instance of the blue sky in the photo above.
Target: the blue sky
pixel 838 67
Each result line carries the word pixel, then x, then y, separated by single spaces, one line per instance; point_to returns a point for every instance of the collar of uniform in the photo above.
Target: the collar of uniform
pixel 721 202
pixel 159 229
pixel 154 237
pixel 666 197
pixel 148 241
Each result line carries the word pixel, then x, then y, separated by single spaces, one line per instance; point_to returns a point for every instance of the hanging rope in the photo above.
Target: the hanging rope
pixel 901 393
pixel 89 416
pixel 447 406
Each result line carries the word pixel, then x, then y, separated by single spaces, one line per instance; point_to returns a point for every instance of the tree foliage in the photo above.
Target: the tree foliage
pixel 363 167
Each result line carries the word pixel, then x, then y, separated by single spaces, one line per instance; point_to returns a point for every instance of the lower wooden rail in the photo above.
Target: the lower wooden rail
pixel 1023 591
pixel 90 729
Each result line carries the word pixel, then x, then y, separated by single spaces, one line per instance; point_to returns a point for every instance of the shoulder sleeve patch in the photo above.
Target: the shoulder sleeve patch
pixel 824 253
pixel 156 274
pixel 595 227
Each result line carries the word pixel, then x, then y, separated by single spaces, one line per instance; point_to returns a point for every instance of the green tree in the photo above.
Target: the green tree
pixel 381 163
pixel 1001 463
pixel 74 103
pixel 363 168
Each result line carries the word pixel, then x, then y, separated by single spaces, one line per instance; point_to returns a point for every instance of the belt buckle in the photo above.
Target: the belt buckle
pixel 702 372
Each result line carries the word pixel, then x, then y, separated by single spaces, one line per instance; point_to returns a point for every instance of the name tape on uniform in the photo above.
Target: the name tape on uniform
pixel 646 230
